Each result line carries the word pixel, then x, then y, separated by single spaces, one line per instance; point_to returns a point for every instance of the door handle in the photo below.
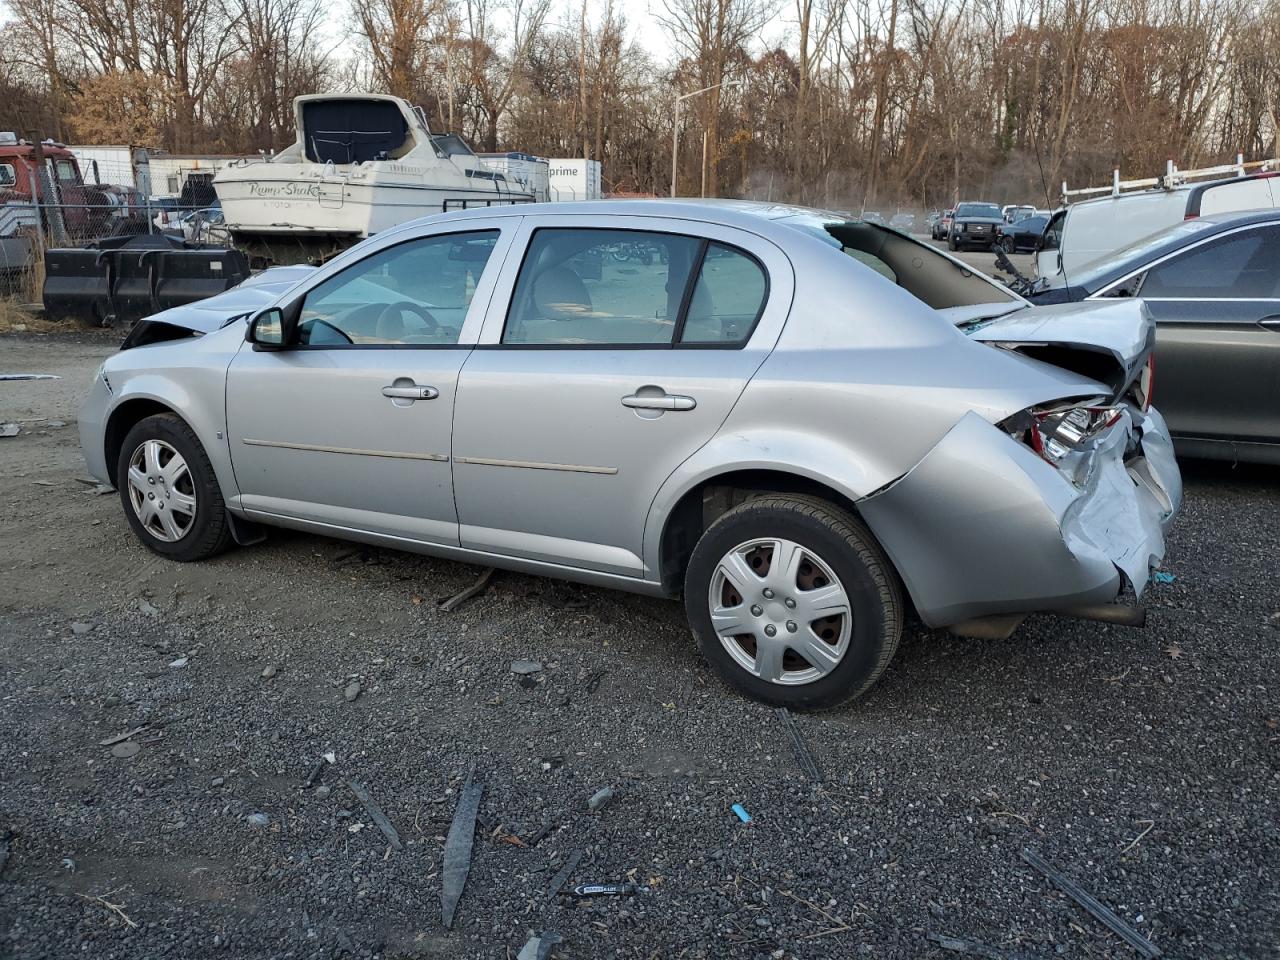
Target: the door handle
pixel 411 392
pixel 661 402
pixel 1271 323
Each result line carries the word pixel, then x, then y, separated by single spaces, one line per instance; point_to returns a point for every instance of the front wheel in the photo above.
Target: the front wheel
pixel 793 602
pixel 951 244
pixel 1007 244
pixel 170 495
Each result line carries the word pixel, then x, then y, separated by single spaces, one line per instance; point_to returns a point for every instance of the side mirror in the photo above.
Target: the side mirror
pixel 266 331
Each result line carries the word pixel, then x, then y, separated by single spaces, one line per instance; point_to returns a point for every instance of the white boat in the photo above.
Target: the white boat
pixel 361 163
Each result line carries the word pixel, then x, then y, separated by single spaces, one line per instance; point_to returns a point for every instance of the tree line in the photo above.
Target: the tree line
pixel 867 103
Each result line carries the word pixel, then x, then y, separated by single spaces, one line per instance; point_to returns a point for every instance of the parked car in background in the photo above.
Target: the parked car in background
pixel 974 226
pixel 1087 231
pixel 1013 213
pixel 1213 286
pixel 942 225
pixel 1021 236
pixel 777 420
pixel 873 216
pixel 906 222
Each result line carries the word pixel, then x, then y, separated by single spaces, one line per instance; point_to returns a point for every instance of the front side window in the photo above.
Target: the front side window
pixel 592 287
pixel 1243 265
pixel 7 175
pixel 415 293
pixel 67 172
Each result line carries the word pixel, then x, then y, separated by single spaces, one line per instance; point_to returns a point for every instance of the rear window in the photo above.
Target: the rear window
pixel 922 271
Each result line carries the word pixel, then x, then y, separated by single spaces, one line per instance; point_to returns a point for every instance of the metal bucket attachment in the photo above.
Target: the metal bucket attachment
pixel 118 286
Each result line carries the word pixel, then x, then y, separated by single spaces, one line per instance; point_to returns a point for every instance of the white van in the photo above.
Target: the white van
pixel 1087 231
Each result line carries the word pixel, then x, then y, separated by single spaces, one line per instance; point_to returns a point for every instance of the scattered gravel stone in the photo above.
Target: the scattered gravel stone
pixel 257 820
pixel 217 781
pixel 352 691
pixel 323 791
pixel 80 628
pixel 268 672
pixel 600 798
pixel 148 608
pixel 125 750
pixel 525 667
pixel 179 663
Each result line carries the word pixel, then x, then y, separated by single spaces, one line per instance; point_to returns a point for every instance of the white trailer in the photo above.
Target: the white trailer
pixel 574 179
pixel 171 172
pixel 114 164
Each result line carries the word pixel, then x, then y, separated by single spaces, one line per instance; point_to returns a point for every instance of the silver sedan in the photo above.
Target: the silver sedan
pixel 807 425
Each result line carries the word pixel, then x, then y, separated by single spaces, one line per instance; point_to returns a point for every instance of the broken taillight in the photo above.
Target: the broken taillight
pixel 1055 432
pixel 1145 385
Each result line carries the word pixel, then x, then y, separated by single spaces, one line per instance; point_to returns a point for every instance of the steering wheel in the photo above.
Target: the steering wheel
pixel 394 309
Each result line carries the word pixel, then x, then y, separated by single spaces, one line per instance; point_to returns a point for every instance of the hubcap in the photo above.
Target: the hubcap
pixel 161 490
pixel 780 611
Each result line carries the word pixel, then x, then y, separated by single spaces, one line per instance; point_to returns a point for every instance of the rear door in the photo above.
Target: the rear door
pixel 613 349
pixel 1217 311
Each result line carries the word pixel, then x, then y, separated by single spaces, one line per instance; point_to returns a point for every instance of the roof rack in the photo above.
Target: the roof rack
pixel 1173 177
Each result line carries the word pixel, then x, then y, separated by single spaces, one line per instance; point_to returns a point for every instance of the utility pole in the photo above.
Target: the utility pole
pixel 675 134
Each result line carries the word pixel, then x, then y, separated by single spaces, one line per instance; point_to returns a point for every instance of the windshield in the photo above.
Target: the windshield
pixel 924 272
pixel 979 210
pixel 1096 271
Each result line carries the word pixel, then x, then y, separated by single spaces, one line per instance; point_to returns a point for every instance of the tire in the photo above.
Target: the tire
pixel 835 551
pixel 951 243
pixel 1007 244
pixel 179 534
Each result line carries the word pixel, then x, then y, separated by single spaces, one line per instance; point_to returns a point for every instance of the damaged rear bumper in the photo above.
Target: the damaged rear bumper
pixel 983 526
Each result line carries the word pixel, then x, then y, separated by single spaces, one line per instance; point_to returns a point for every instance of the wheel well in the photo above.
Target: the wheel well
pixel 700 506
pixel 123 419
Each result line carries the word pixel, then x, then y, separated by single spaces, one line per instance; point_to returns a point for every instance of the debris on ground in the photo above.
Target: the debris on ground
pixel 148 608
pixel 80 628
pixel 477 588
pixel 29 376
pixel 268 671
pixel 179 663
pixel 102 489
pixel 607 889
pixel 376 814
pixel 525 667
pixel 9 429
pixel 116 908
pixel 125 750
pixel 600 799
pixel 257 820
pixel 974 948
pixel 804 756
pixel 457 848
pixel 563 874
pixel 539 946
pixel 1100 912
pixel 128 734
pixel 741 812
pixel 1162 576
pixel 6 844
pixel 352 691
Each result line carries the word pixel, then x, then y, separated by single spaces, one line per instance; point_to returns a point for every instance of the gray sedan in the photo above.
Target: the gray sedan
pixel 805 424
pixel 1213 286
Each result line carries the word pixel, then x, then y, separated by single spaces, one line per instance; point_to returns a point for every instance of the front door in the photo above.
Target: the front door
pixel 1217 312
pixel 350 426
pixel 617 353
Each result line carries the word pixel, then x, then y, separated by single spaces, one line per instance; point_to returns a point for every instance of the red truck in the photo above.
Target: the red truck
pixel 72 211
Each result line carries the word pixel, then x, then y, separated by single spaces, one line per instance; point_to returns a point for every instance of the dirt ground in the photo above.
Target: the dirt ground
pixel 1144 764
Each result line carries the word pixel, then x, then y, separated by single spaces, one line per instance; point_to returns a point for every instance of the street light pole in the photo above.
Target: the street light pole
pixel 675 131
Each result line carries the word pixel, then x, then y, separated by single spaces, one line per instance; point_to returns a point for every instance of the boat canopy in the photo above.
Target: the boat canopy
pixel 353 131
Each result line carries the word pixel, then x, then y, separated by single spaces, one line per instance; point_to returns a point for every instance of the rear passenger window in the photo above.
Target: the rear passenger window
pixel 727 299
pixel 631 288
pixel 614 287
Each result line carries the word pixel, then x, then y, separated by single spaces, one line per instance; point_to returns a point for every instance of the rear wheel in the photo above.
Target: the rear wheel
pixel 170 495
pixel 793 602
pixel 1007 244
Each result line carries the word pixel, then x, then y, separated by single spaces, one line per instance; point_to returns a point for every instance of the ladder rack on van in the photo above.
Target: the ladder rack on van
pixel 1173 177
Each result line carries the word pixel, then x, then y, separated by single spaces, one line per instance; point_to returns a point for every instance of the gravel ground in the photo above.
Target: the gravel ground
pixel 1142 763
